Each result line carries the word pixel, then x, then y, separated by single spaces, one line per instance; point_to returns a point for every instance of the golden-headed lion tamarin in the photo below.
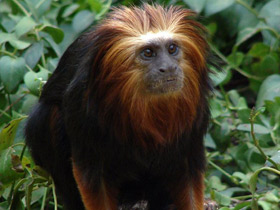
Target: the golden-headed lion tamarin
pixel 123 116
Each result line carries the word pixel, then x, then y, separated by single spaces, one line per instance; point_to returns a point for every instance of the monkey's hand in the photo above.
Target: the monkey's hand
pixel 210 205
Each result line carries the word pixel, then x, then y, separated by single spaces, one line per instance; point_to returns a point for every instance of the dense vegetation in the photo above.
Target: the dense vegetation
pixel 243 141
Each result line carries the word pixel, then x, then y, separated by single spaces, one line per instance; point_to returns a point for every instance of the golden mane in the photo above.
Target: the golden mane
pixel 147 118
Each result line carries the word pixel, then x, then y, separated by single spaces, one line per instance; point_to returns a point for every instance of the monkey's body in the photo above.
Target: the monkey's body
pixel 104 151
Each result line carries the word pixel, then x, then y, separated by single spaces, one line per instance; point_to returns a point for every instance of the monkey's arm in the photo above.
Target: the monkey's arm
pixel 102 198
pixel 189 194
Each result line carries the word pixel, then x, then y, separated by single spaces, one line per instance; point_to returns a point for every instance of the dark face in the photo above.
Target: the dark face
pixel 160 61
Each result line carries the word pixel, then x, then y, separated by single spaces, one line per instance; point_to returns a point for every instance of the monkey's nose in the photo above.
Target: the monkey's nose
pixel 170 69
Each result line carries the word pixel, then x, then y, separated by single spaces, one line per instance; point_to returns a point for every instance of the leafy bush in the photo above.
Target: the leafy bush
pixel 243 142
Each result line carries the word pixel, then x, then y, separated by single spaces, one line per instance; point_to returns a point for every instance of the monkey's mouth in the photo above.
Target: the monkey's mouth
pixel 166 85
pixel 171 80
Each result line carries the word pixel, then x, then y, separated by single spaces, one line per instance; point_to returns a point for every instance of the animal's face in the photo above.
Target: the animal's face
pixel 159 58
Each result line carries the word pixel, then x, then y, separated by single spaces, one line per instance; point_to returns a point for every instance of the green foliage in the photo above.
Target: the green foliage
pixel 243 143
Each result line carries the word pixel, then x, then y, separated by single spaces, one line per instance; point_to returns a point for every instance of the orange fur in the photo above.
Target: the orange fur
pixel 120 81
pixel 191 196
pixel 101 200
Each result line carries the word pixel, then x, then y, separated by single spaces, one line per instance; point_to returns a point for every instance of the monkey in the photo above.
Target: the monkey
pixel 123 116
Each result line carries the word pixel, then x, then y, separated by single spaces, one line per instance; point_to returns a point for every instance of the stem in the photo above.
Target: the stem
pixel 29 69
pixel 244 4
pixel 21 182
pixel 233 67
pixel 38 38
pixel 10 105
pixel 243 197
pixel 11 192
pixel 8 53
pixel 271 170
pixel 216 122
pixel 44 198
pixel 256 141
pixel 272 30
pixel 18 144
pixel 22 152
pixel 3 113
pixel 54 196
pixel 22 8
pixel 223 171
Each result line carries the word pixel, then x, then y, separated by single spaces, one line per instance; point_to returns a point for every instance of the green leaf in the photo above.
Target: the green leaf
pixel 242 205
pixel 19 44
pixel 33 80
pixel 196 5
pixel 215 183
pixel 54 45
pixel 56 33
pixel 82 20
pixel 234 97
pixel 246 34
pixel 209 142
pixel 3 100
pixel 246 17
pixel 237 101
pixel 37 194
pixel 221 198
pixel 249 32
pixel 52 64
pixel 70 36
pixel 276 157
pixel 214 6
pixel 8 133
pixel 13 40
pixel 269 196
pixel 70 10
pixel 235 59
pixel 29 101
pixel 239 155
pixel 95 5
pixel 216 108
pixel 8 24
pixel 33 54
pixel 105 8
pixel 254 177
pixel 260 129
pixel 42 6
pixel 267 205
pixel 271 12
pixel 220 77
pixel 212 28
pixel 4 205
pixel 270 65
pixel 7 173
pixel 4 37
pixel 25 25
pixel 259 50
pixel 243 177
pixel 38 8
pixel 273 107
pixel 11 72
pixel 269 89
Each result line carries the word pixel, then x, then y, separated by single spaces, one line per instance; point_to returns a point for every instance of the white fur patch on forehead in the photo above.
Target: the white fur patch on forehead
pixel 151 36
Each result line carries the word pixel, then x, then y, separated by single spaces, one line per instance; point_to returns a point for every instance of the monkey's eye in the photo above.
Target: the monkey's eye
pixel 173 49
pixel 148 53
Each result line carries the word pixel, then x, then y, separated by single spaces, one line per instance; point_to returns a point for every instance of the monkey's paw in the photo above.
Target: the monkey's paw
pixel 210 205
